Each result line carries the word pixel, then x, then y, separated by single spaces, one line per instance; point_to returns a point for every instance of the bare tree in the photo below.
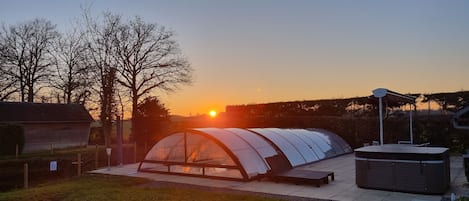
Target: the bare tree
pixel 72 77
pixel 7 85
pixel 26 54
pixel 99 46
pixel 140 56
pixel 7 88
pixel 148 58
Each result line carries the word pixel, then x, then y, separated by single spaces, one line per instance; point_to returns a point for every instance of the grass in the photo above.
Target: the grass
pixel 115 188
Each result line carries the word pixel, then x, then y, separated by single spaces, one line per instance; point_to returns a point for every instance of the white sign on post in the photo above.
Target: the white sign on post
pixel 108 152
pixel 53 166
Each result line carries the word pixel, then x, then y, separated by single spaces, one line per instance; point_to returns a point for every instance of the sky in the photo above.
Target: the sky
pixel 260 51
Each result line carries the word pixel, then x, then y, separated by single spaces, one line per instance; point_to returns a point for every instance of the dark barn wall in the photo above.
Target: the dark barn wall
pixel 40 136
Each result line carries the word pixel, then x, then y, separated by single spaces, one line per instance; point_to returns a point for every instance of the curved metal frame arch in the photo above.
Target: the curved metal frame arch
pixel 235 159
pixel 224 147
pixel 250 145
pixel 306 137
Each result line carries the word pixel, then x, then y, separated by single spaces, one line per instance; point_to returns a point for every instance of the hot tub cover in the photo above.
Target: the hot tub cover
pixel 235 153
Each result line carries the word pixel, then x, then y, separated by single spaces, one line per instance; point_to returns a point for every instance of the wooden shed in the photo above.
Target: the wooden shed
pixel 48 124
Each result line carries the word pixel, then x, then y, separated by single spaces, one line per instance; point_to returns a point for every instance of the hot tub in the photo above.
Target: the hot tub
pixel 404 168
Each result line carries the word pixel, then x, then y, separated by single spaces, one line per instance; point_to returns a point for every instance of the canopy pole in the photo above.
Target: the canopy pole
pixel 381 120
pixel 380 93
pixel 411 133
pixel 185 146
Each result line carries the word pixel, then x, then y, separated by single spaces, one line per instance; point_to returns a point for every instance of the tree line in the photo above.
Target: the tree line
pixel 357 107
pixel 97 62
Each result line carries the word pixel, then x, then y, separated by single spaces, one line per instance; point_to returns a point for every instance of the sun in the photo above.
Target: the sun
pixel 212 113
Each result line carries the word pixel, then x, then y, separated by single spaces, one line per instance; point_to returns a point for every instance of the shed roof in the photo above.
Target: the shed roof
pixel 43 112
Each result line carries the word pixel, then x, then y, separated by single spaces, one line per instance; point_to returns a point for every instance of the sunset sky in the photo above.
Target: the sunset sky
pixel 257 51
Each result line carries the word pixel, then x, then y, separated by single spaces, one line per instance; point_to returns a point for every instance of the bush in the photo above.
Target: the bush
pixel 463 199
pixel 96 136
pixel 10 136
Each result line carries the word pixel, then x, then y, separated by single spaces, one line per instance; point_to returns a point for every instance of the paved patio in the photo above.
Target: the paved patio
pixel 342 188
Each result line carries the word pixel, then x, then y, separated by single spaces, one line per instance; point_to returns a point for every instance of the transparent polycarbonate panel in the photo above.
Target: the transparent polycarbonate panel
pixel 339 140
pixel 233 142
pixel 292 154
pixel 153 167
pixel 170 148
pixel 312 142
pixel 299 144
pixel 223 172
pixel 261 145
pixel 345 146
pixel 214 146
pixel 186 169
pixel 253 163
pixel 329 150
pixel 201 149
pixel 335 147
pixel 336 143
pixel 321 142
pixel 303 135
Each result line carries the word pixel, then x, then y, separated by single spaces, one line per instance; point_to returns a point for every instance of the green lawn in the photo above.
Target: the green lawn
pixel 101 187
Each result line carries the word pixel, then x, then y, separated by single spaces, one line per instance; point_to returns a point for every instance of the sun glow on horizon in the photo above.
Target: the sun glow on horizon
pixel 213 113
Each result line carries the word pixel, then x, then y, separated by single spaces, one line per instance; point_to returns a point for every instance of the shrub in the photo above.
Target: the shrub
pixel 463 199
pixel 10 136
pixel 96 136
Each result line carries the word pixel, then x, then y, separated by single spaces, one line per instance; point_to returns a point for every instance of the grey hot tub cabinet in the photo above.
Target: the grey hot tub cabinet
pixel 403 168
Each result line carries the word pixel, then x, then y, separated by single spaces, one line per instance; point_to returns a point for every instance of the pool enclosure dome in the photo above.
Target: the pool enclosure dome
pixel 235 153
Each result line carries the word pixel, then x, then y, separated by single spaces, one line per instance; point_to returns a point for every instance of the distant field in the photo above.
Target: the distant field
pixel 101 187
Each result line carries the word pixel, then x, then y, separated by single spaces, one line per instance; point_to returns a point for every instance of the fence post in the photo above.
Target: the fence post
pixel 120 156
pixel 135 152
pixel 51 149
pixel 96 158
pixel 26 175
pixel 17 151
pixel 79 164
